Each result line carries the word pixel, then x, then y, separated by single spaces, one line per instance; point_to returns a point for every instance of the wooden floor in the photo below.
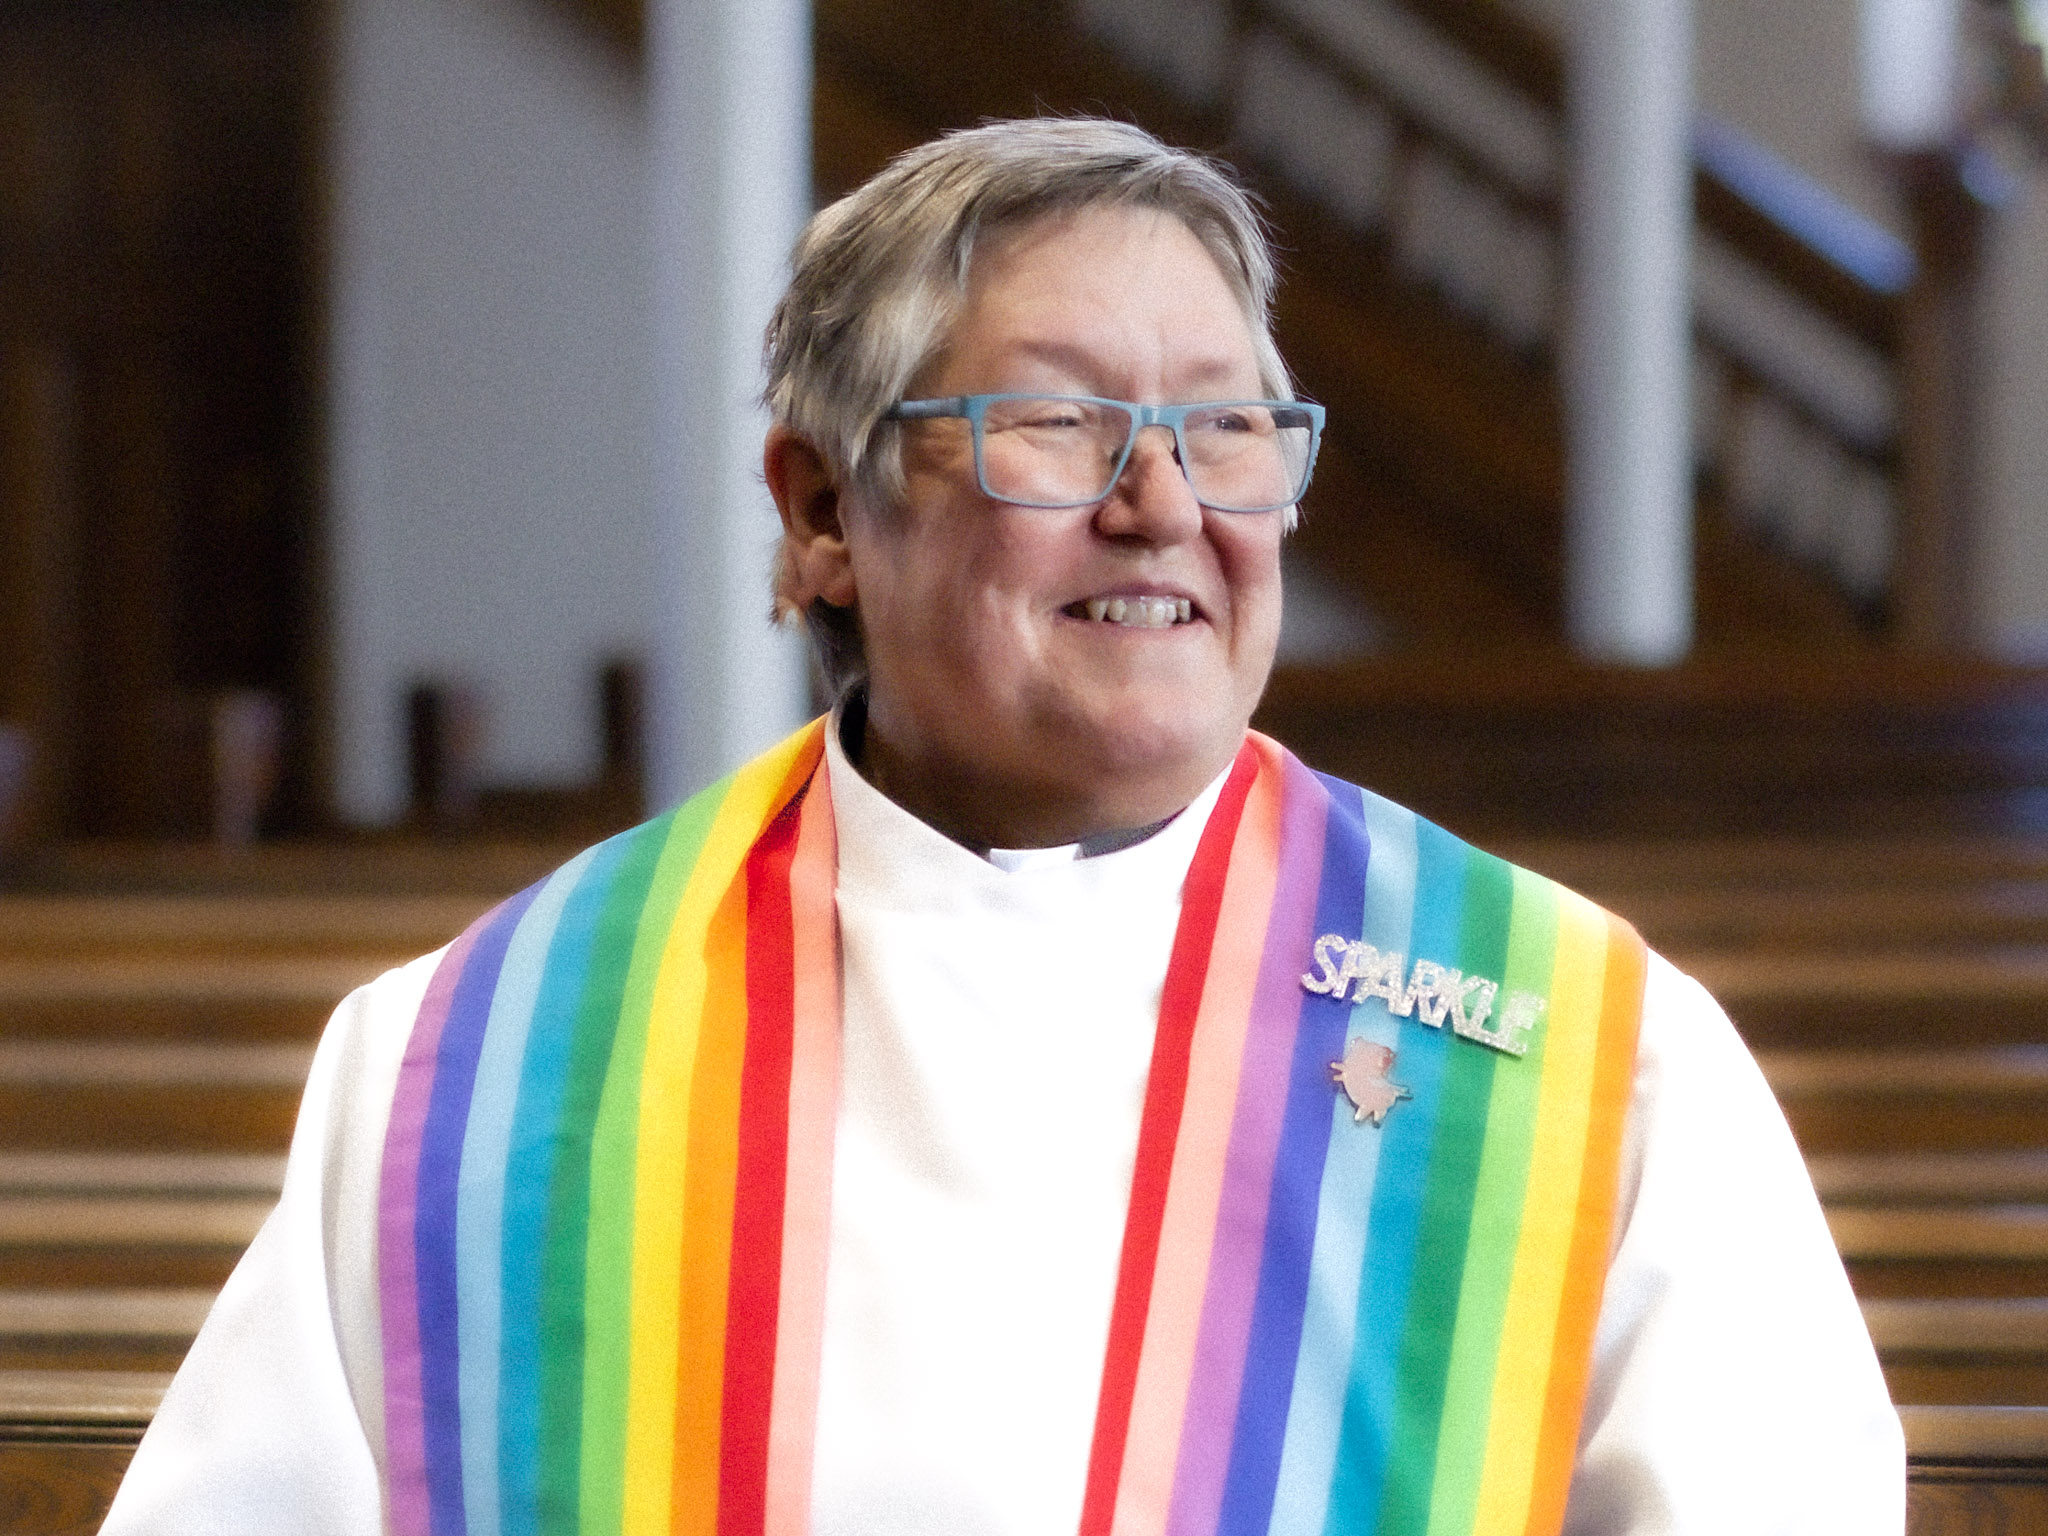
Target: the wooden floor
pixel 153 1040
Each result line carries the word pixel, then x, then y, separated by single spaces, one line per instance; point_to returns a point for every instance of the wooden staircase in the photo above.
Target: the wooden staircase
pixel 1439 497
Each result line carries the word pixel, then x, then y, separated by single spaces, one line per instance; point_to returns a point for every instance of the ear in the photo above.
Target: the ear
pixel 815 562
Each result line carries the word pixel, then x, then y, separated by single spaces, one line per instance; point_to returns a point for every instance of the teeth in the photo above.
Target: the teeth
pixel 1140 612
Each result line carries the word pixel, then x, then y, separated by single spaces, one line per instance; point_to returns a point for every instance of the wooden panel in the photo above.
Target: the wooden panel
pixel 59 1489
pixel 65 1440
pixel 153 420
pixel 128 1268
pixel 1976 1501
pixel 38 532
pixel 1965 1379
pixel 148 1119
pixel 227 1017
pixel 92 1355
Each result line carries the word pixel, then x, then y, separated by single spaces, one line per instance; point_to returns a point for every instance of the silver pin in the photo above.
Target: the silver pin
pixel 1353 970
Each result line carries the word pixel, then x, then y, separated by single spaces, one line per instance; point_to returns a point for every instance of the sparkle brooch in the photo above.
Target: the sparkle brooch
pixel 1435 994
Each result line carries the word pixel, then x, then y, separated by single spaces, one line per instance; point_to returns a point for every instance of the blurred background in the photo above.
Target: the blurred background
pixel 376 423
pixel 380 517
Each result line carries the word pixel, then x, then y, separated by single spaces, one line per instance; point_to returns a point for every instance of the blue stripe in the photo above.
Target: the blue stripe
pixel 1369 1405
pixel 1336 1269
pixel 480 1198
pixel 462 1037
pixel 529 1168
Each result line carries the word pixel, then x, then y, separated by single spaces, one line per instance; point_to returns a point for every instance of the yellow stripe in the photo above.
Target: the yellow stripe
pixel 1557 1157
pixel 660 1167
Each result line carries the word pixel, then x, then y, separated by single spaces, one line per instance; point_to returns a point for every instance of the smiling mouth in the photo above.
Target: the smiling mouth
pixel 1135 612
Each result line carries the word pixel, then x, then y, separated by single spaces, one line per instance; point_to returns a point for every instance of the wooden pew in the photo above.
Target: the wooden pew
pixel 1986 1099
pixel 152 1047
pixel 111 1259
pixel 66 1438
pixel 1930 1178
pixel 1976 1471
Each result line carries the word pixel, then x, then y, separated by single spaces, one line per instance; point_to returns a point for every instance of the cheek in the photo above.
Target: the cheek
pixel 933 600
pixel 1250 557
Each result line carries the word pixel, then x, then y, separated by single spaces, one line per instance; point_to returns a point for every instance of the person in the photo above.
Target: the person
pixel 1026 1101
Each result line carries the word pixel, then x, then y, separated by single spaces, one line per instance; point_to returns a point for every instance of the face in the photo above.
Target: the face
pixel 1006 706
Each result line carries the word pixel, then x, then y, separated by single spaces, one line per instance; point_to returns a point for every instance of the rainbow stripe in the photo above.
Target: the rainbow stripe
pixel 605 1205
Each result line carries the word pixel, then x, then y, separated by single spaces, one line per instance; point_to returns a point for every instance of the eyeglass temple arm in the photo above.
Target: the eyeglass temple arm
pixel 926 410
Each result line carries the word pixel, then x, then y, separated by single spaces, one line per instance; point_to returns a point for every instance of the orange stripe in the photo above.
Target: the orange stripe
pixel 807 1201
pixel 709 1167
pixel 711 1164
pixel 1166 1362
pixel 1586 1277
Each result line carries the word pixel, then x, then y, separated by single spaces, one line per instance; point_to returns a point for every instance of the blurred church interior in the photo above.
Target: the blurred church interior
pixel 380 519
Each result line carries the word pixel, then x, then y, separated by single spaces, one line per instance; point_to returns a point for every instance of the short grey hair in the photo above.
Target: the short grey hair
pixel 877 280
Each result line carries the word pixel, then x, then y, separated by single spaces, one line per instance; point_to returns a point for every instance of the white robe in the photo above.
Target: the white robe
pixel 998 1028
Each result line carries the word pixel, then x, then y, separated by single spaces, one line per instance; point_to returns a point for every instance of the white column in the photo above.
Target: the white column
pixel 1910 54
pixel 729 94
pixel 1628 542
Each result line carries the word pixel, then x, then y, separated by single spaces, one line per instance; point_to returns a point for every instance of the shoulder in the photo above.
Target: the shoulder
pixel 1400 834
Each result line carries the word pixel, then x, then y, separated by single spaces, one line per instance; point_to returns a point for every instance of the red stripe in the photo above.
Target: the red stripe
pixel 756 1275
pixel 1165 1091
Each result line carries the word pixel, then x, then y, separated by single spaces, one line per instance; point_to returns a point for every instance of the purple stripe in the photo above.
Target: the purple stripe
pixel 405 1453
pixel 1240 1238
pixel 440 1165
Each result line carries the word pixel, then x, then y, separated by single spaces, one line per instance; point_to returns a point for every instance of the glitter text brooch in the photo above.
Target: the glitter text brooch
pixel 1432 993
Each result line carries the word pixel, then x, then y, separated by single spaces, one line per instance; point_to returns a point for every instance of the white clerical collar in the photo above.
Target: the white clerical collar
pixel 1014 860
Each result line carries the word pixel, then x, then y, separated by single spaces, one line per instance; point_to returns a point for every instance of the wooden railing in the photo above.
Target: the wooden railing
pixel 1435 127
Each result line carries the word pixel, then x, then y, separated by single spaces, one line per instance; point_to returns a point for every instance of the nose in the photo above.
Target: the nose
pixel 1151 499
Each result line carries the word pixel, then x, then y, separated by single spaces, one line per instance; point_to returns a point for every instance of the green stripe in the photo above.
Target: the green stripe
pixel 614 1157
pixel 1446 1219
pixel 1496 1221
pixel 562 1303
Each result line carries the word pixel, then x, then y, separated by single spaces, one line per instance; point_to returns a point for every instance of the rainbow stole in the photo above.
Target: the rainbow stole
pixel 605 1207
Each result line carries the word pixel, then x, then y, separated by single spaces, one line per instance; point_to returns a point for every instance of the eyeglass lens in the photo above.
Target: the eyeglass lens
pixel 1064 453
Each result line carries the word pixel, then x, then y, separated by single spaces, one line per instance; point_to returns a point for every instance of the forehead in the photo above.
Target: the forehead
pixel 1108 298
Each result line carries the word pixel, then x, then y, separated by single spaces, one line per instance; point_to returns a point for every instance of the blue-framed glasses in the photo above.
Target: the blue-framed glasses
pixel 1068 450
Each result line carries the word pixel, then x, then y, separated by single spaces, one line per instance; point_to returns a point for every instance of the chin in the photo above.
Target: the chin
pixel 1155 738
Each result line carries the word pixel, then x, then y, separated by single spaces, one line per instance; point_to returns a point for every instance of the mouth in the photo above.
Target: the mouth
pixel 1143 611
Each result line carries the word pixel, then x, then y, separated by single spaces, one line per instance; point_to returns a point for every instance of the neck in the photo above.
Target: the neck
pixel 981 810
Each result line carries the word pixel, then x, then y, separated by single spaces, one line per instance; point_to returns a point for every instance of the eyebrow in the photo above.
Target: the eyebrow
pixel 1084 361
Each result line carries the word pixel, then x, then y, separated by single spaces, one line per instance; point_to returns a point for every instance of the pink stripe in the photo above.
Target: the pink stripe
pixel 807 1197
pixel 1167 1360
pixel 1240 1237
pixel 405 1437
